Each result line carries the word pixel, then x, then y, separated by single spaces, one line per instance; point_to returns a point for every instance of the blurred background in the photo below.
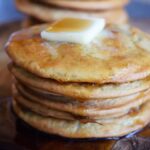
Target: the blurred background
pixel 137 9
pixel 31 12
pixel 17 14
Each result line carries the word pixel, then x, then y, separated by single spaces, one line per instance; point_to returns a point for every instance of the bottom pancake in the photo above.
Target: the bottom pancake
pixel 76 129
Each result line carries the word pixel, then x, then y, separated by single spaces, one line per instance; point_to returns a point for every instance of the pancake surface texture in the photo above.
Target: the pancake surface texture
pixel 119 54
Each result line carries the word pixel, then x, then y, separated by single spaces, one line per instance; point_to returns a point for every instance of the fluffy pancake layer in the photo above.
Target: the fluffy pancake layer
pixel 119 54
pixel 81 91
pixel 80 109
pixel 76 129
pixel 30 21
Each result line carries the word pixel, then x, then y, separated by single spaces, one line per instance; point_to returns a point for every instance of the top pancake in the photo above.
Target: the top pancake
pixel 119 54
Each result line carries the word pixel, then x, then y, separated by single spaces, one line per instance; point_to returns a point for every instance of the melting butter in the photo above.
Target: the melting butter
pixel 74 30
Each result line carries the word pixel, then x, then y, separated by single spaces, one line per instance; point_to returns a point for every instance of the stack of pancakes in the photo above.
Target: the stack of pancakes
pixel 82 91
pixel 50 10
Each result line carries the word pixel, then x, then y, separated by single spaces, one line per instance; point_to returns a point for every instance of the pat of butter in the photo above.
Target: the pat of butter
pixel 74 30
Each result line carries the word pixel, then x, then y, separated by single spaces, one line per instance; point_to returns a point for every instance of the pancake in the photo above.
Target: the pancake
pixel 5 75
pixel 119 54
pixel 98 103
pixel 78 91
pixel 101 89
pixel 79 111
pixel 76 129
pixel 49 14
pixel 82 110
pixel 60 114
pixel 47 112
pixel 44 111
pixel 88 4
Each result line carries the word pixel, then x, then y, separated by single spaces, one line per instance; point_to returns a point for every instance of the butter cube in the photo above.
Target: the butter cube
pixel 74 30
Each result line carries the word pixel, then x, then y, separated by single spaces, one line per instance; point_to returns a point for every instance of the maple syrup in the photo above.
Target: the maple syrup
pixel 70 25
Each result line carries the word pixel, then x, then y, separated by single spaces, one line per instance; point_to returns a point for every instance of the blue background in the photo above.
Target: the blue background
pixel 136 9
